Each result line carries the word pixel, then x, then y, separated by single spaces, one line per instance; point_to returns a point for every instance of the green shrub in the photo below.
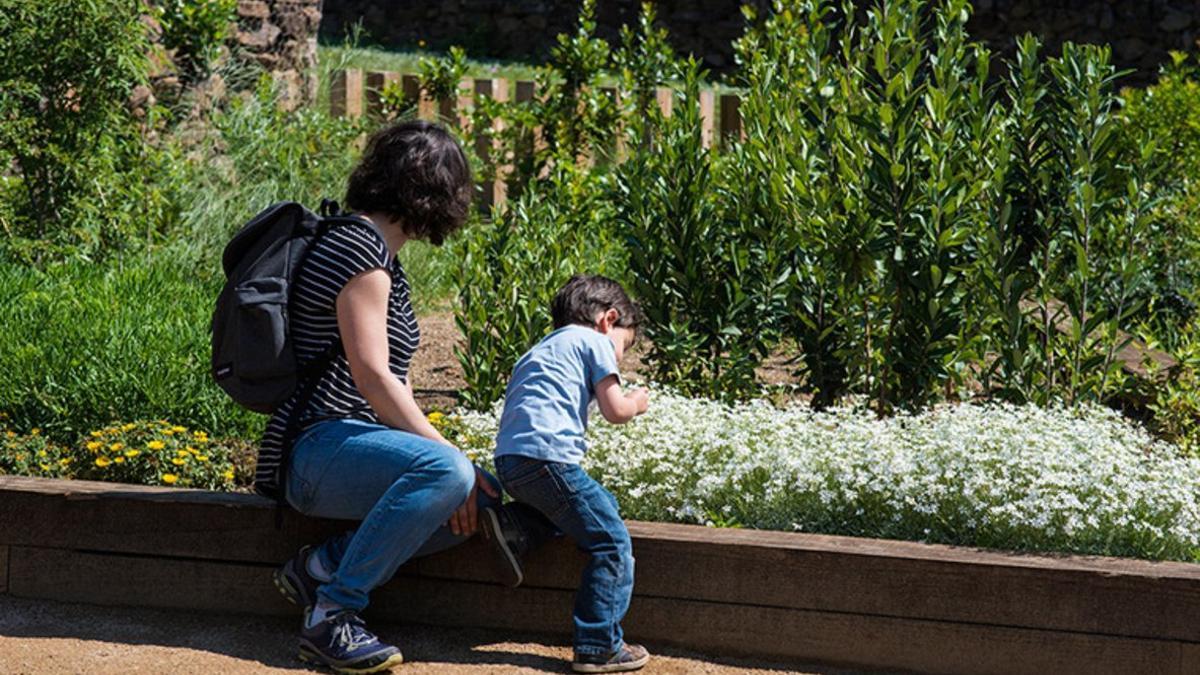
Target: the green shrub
pixel 66 70
pixel 1169 112
pixel 1175 403
pixel 702 269
pixel 195 29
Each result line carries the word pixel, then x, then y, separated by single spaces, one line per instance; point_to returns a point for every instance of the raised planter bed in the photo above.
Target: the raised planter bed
pixel 838 600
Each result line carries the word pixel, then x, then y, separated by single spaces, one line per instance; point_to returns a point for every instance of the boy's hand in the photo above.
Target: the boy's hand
pixel 640 397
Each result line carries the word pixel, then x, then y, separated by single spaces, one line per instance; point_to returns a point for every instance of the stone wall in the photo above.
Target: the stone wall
pixel 1141 31
pixel 281 36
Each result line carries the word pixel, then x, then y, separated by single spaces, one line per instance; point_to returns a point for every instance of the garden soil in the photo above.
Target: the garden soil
pixel 38 636
pixel 437 375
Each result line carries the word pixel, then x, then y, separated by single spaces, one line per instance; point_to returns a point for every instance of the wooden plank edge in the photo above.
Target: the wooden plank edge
pixel 683 533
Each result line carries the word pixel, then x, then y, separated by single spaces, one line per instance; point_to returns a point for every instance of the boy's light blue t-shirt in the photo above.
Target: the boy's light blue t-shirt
pixel 546 403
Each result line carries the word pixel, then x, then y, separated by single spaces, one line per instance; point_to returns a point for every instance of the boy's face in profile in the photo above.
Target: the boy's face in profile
pixel 621 336
pixel 622 339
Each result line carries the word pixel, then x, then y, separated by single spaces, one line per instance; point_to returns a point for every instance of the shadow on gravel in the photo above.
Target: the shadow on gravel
pixel 271 641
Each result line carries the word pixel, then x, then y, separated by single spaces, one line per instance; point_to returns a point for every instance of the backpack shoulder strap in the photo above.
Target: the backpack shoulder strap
pixel 332 216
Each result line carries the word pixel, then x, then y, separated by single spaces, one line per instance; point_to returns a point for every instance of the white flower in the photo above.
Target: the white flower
pixel 1080 479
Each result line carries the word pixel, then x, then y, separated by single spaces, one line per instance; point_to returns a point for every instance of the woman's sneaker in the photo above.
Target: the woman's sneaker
pixel 343 643
pixel 628 657
pixel 295 582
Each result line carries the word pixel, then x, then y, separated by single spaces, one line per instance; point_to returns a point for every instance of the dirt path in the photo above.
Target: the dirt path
pixel 50 637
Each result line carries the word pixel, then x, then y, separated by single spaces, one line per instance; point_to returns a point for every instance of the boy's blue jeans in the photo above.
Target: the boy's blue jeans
pixel 402 487
pixel 584 511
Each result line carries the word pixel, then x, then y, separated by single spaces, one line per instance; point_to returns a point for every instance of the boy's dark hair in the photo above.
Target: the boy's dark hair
pixel 586 295
pixel 417 174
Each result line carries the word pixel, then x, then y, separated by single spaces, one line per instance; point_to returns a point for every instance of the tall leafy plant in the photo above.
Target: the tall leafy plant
pixel 796 115
pixel 700 268
pixel 511 268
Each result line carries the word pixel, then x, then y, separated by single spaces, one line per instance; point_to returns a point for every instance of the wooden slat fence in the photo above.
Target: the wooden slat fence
pixel 354 94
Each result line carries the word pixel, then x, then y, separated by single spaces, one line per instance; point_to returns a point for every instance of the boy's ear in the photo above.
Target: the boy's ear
pixel 607 320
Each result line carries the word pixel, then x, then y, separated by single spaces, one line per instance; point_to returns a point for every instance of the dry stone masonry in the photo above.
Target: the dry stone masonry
pixel 1141 31
pixel 281 36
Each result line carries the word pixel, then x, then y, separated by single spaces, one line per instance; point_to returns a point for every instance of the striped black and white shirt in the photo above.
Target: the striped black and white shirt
pixel 346 250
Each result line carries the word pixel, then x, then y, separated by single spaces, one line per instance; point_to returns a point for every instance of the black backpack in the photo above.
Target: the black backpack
pixel 253 359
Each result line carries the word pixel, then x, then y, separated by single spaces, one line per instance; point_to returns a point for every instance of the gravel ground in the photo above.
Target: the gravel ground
pixel 38 636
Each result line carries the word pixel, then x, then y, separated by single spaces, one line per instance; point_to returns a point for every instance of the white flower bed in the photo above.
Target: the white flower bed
pixel 1023 478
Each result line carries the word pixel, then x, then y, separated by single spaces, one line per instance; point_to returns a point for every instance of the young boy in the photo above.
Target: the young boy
pixel 539 447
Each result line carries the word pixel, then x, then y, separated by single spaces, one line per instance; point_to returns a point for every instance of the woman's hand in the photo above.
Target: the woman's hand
pixel 465 521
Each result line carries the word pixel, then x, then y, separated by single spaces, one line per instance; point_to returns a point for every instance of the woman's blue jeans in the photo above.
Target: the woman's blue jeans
pixel 402 487
pixel 583 510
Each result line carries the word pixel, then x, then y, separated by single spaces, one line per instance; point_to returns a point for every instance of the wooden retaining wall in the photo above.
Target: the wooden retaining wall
pixel 837 600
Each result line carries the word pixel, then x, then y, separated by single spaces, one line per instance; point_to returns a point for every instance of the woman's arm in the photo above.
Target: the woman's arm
pixel 362 308
pixel 362 321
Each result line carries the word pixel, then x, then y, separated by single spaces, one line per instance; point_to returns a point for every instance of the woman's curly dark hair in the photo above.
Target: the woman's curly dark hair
pixel 417 174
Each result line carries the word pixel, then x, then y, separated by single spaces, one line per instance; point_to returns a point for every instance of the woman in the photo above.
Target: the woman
pixel 364 450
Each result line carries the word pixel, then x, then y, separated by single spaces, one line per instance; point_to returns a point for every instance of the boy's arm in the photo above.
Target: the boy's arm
pixel 617 406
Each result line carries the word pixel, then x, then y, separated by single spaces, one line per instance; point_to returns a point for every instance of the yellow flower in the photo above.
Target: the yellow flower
pixel 94 445
pixel 103 462
pixel 41 453
pixel 10 434
pixel 132 453
pixel 64 461
pixel 178 462
pixel 200 437
pixel 156 445
pixel 228 475
pixel 169 478
pixel 116 447
pixel 421 43
pixel 168 432
pixel 128 427
pixel 202 458
pixel 189 449
pixel 178 429
pixel 35 431
pixel 45 467
pixel 119 460
pixel 97 434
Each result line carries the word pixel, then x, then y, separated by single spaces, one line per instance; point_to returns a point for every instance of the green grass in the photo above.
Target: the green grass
pixel 373 58
pixel 82 346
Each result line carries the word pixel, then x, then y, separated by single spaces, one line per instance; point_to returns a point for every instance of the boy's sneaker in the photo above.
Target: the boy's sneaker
pixel 294 581
pixel 343 643
pixel 628 657
pixel 507 539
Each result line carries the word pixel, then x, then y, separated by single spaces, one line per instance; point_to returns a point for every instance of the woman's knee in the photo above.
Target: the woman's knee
pixel 452 474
